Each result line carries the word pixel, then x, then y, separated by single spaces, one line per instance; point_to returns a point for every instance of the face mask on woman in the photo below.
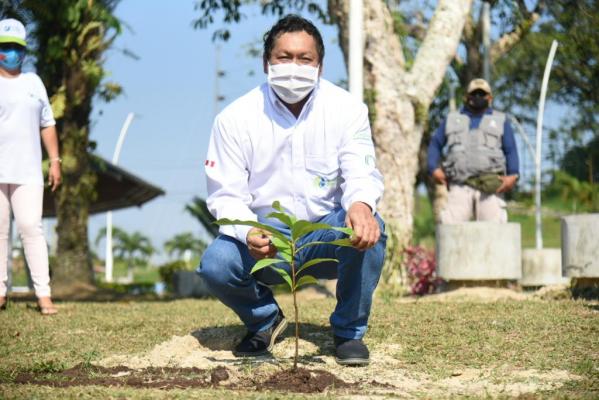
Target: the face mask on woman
pixel 11 58
pixel 292 82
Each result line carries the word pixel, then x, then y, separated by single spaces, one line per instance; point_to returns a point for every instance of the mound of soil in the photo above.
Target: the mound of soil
pixel 303 380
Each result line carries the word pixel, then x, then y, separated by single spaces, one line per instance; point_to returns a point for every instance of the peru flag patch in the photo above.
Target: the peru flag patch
pixel 209 163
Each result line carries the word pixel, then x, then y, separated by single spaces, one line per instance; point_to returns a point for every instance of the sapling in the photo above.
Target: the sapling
pixel 288 249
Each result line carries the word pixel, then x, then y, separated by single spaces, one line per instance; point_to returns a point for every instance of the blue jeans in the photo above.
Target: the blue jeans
pixel 226 266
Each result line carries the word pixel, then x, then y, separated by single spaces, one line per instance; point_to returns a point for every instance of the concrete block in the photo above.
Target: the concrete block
pixel 542 267
pixel 580 246
pixel 479 251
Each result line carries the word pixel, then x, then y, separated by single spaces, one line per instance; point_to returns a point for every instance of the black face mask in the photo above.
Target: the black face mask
pixel 477 102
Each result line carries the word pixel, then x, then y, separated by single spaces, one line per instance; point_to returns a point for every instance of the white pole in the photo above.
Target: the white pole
pixel 538 233
pixel 356 48
pixel 115 160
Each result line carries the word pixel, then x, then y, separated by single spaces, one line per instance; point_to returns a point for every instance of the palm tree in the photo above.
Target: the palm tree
pixel 134 248
pixel 183 243
pixel 199 210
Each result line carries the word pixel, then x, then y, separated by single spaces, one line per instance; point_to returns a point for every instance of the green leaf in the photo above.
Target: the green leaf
pixel 283 217
pixel 277 206
pixel 265 262
pixel 315 261
pixel 303 227
pixel 286 255
pixel 285 276
pixel 283 248
pixel 58 102
pixel 281 245
pixel 287 219
pixel 347 231
pixel 345 242
pixel 255 224
pixel 305 280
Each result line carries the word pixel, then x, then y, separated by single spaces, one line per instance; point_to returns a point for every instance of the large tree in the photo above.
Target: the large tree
pixel 69 40
pixel 399 93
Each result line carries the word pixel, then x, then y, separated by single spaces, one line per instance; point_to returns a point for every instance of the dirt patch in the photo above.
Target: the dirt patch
pixel 553 292
pixel 159 378
pixel 304 381
pixel 478 294
pixel 386 374
pixel 181 352
pixel 299 381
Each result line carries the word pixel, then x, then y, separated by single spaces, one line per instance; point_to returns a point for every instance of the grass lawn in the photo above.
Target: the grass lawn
pixel 551 226
pixel 531 348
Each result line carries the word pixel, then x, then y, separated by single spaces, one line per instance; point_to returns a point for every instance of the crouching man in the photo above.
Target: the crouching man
pixel 305 142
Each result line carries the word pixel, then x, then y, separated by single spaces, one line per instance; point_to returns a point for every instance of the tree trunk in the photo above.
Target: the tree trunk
pixel 73 264
pixel 399 100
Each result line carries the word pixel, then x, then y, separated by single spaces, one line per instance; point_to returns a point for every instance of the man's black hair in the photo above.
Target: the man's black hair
pixel 292 23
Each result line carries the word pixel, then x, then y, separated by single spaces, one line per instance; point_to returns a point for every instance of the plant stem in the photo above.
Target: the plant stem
pixel 293 290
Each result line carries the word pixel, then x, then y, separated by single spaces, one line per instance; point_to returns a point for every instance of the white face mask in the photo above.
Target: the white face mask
pixel 292 82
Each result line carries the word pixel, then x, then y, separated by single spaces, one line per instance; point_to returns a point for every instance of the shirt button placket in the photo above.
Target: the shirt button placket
pixel 297 154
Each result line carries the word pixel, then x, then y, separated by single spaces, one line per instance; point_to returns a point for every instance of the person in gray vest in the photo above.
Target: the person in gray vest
pixel 474 153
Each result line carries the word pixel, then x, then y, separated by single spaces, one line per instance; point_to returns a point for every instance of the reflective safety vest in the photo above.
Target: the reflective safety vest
pixel 472 152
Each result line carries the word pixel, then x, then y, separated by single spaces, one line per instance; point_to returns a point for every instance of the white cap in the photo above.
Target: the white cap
pixel 12 31
pixel 479 84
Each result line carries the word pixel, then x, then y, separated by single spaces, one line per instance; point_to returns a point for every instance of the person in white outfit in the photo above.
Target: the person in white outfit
pixel 25 114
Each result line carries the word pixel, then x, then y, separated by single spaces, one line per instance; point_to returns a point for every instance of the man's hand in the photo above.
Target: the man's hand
pixel 54 175
pixel 439 176
pixel 259 244
pixel 366 229
pixel 508 183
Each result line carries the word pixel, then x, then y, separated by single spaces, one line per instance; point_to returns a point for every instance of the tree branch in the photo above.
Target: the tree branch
pixel 469 28
pixel 438 49
pixel 510 39
pixel 417 28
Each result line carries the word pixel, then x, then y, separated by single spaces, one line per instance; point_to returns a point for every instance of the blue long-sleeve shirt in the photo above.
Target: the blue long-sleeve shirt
pixel 508 143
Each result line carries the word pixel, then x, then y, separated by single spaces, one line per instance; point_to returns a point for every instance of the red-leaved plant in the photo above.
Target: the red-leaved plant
pixel 421 265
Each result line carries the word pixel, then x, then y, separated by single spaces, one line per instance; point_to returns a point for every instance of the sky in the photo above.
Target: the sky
pixel 171 89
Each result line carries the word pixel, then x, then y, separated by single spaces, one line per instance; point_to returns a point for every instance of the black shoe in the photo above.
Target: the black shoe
pixel 259 343
pixel 351 351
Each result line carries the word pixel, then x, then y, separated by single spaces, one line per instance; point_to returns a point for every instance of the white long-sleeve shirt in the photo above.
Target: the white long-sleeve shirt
pixel 259 152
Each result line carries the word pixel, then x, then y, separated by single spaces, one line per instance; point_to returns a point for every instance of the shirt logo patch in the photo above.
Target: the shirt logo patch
pixel 324 183
pixel 209 163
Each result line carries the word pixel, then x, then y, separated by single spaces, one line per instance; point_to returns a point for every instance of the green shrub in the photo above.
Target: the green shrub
pixel 167 270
